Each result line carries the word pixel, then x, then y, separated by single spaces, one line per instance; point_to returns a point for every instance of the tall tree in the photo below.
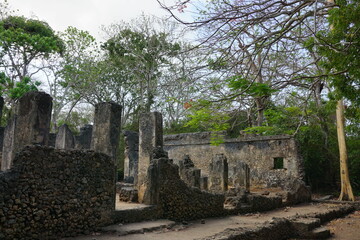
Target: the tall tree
pixel 341 48
pixel 141 51
pixel 24 41
pixel 260 41
pixel 141 54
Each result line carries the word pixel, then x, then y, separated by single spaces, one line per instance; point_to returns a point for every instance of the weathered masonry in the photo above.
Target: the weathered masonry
pixel 46 192
pixel 271 159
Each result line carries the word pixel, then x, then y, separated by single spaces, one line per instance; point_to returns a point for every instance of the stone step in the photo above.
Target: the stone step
pixel 139 227
pixel 318 233
pixel 304 225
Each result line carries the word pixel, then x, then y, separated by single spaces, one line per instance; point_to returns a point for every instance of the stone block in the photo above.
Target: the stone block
pixel 106 130
pixel 241 176
pixel 188 173
pixel 296 192
pixel 83 140
pixel 131 156
pixel 204 183
pixel 128 194
pixel 64 138
pixel 52 140
pixel 29 124
pixel 150 138
pixel 218 177
pixel 1 107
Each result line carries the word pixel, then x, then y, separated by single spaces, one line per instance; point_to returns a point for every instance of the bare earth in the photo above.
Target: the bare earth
pixel 347 228
pixel 196 229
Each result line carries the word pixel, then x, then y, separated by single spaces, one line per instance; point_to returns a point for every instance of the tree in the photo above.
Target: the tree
pixel 262 42
pixel 341 49
pixel 24 41
pixel 141 54
pixel 69 76
pixel 253 33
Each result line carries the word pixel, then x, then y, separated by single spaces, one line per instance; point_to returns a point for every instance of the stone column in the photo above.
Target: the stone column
pixel 106 130
pixel 83 141
pixel 150 137
pixel 241 176
pixel 218 177
pixel 204 183
pixel 1 107
pixel 64 138
pixel 30 124
pixel 188 173
pixel 2 129
pixel 131 156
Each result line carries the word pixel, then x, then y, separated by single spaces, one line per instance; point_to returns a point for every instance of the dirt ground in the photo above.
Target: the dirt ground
pixel 347 228
pixel 211 226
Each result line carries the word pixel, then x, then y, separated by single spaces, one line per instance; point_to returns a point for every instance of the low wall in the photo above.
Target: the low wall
pixel 174 198
pixel 49 194
pixel 258 152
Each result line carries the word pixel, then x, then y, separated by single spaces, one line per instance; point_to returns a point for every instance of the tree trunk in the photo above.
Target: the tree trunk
pixel 346 190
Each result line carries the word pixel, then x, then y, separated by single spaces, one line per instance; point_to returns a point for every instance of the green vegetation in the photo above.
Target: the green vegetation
pixel 281 73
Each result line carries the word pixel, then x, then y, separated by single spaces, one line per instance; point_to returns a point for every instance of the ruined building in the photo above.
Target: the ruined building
pixel 54 186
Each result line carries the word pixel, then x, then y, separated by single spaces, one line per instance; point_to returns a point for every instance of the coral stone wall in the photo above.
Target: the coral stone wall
pixel 49 193
pixel 258 152
pixel 175 199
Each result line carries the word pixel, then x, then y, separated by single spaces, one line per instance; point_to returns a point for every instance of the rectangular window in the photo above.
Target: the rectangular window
pixel 279 163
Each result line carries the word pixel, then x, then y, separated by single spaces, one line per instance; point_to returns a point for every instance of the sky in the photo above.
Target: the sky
pixel 87 15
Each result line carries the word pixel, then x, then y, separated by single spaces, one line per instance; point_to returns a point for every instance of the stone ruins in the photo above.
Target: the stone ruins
pixel 62 185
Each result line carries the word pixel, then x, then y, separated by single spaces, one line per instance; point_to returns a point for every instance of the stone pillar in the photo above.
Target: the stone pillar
pixel 218 177
pixel 150 137
pixel 83 141
pixel 241 178
pixel 106 130
pixel 64 138
pixel 2 130
pixel 188 173
pixel 30 124
pixel 52 140
pixel 1 107
pixel 131 156
pixel 204 183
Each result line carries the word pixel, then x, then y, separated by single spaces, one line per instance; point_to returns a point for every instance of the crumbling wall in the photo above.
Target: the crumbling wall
pixel 50 193
pixel 258 152
pixel 188 173
pixel 175 199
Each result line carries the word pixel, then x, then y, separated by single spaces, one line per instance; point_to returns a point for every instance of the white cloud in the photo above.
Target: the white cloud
pixel 85 14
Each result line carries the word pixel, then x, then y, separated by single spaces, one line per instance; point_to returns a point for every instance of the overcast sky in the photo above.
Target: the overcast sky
pixel 85 14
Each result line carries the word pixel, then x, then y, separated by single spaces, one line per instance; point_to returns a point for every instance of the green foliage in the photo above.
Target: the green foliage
pixel 320 158
pixel 75 120
pixel 353 143
pixel 255 89
pixel 141 57
pixel 22 42
pixel 7 87
pixel 279 120
pixel 34 36
pixel 340 47
pixel 22 87
pixel 206 116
